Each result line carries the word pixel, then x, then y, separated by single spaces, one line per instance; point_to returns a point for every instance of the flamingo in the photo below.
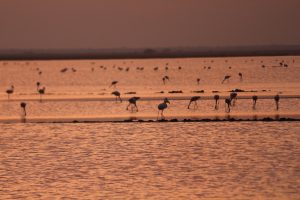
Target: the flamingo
pixel 241 76
pixel 216 98
pixel 254 98
pixel 118 96
pixel 233 97
pixel 194 99
pixel 23 106
pixel 227 77
pixel 113 83
pixel 276 98
pixel 64 70
pixel 38 84
pixel 161 107
pixel 228 103
pixel 198 81
pixel 42 92
pixel 10 91
pixel 132 101
pixel 164 79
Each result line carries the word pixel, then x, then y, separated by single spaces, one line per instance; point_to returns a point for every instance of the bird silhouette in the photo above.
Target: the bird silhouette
pixel 161 107
pixel 254 99
pixel 23 106
pixel 227 104
pixel 241 76
pixel 227 77
pixel 113 83
pixel 216 98
pixel 233 98
pixel 132 102
pixel 42 92
pixel 38 84
pixel 198 81
pixel 10 91
pixel 64 70
pixel 193 99
pixel 117 95
pixel 276 98
pixel 165 78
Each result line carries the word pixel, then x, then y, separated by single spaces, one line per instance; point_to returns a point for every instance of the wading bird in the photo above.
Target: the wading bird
pixel 194 99
pixel 216 98
pixel 161 107
pixel 254 99
pixel 198 81
pixel 132 102
pixel 117 95
pixel 23 106
pixel 38 84
pixel 233 98
pixel 165 78
pixel 241 76
pixel 113 83
pixel 276 98
pixel 42 92
pixel 10 91
pixel 227 77
pixel 227 104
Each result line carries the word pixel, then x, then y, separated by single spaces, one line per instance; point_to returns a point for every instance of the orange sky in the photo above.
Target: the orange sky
pixel 147 23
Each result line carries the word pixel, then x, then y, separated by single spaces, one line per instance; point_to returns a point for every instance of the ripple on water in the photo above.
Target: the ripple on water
pixel 240 160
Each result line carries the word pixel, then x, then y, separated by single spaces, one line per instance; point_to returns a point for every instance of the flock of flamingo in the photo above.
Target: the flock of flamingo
pixel 132 102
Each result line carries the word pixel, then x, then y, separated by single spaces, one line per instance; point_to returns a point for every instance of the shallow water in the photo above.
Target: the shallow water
pixel 86 92
pixel 215 160
pixel 199 160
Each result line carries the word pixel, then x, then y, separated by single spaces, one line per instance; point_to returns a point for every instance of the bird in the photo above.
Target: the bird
pixel 113 83
pixel 198 81
pixel 254 99
pixel 241 76
pixel 194 99
pixel 42 92
pixel 233 98
pixel 228 104
pixel 155 68
pixel 64 70
pixel 118 96
pixel 10 91
pixel 23 106
pixel 276 98
pixel 132 101
pixel 179 68
pixel 38 84
pixel 227 77
pixel 216 98
pixel 161 107
pixel 165 78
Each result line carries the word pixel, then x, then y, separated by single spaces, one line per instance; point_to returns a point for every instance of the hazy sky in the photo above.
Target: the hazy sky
pixel 147 23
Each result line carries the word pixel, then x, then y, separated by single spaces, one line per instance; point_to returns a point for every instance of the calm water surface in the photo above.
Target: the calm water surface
pixel 222 160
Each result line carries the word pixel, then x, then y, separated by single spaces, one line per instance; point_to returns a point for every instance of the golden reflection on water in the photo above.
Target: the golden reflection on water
pixel 223 160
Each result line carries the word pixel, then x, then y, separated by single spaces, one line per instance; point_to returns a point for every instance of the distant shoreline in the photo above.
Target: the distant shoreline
pixel 147 53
